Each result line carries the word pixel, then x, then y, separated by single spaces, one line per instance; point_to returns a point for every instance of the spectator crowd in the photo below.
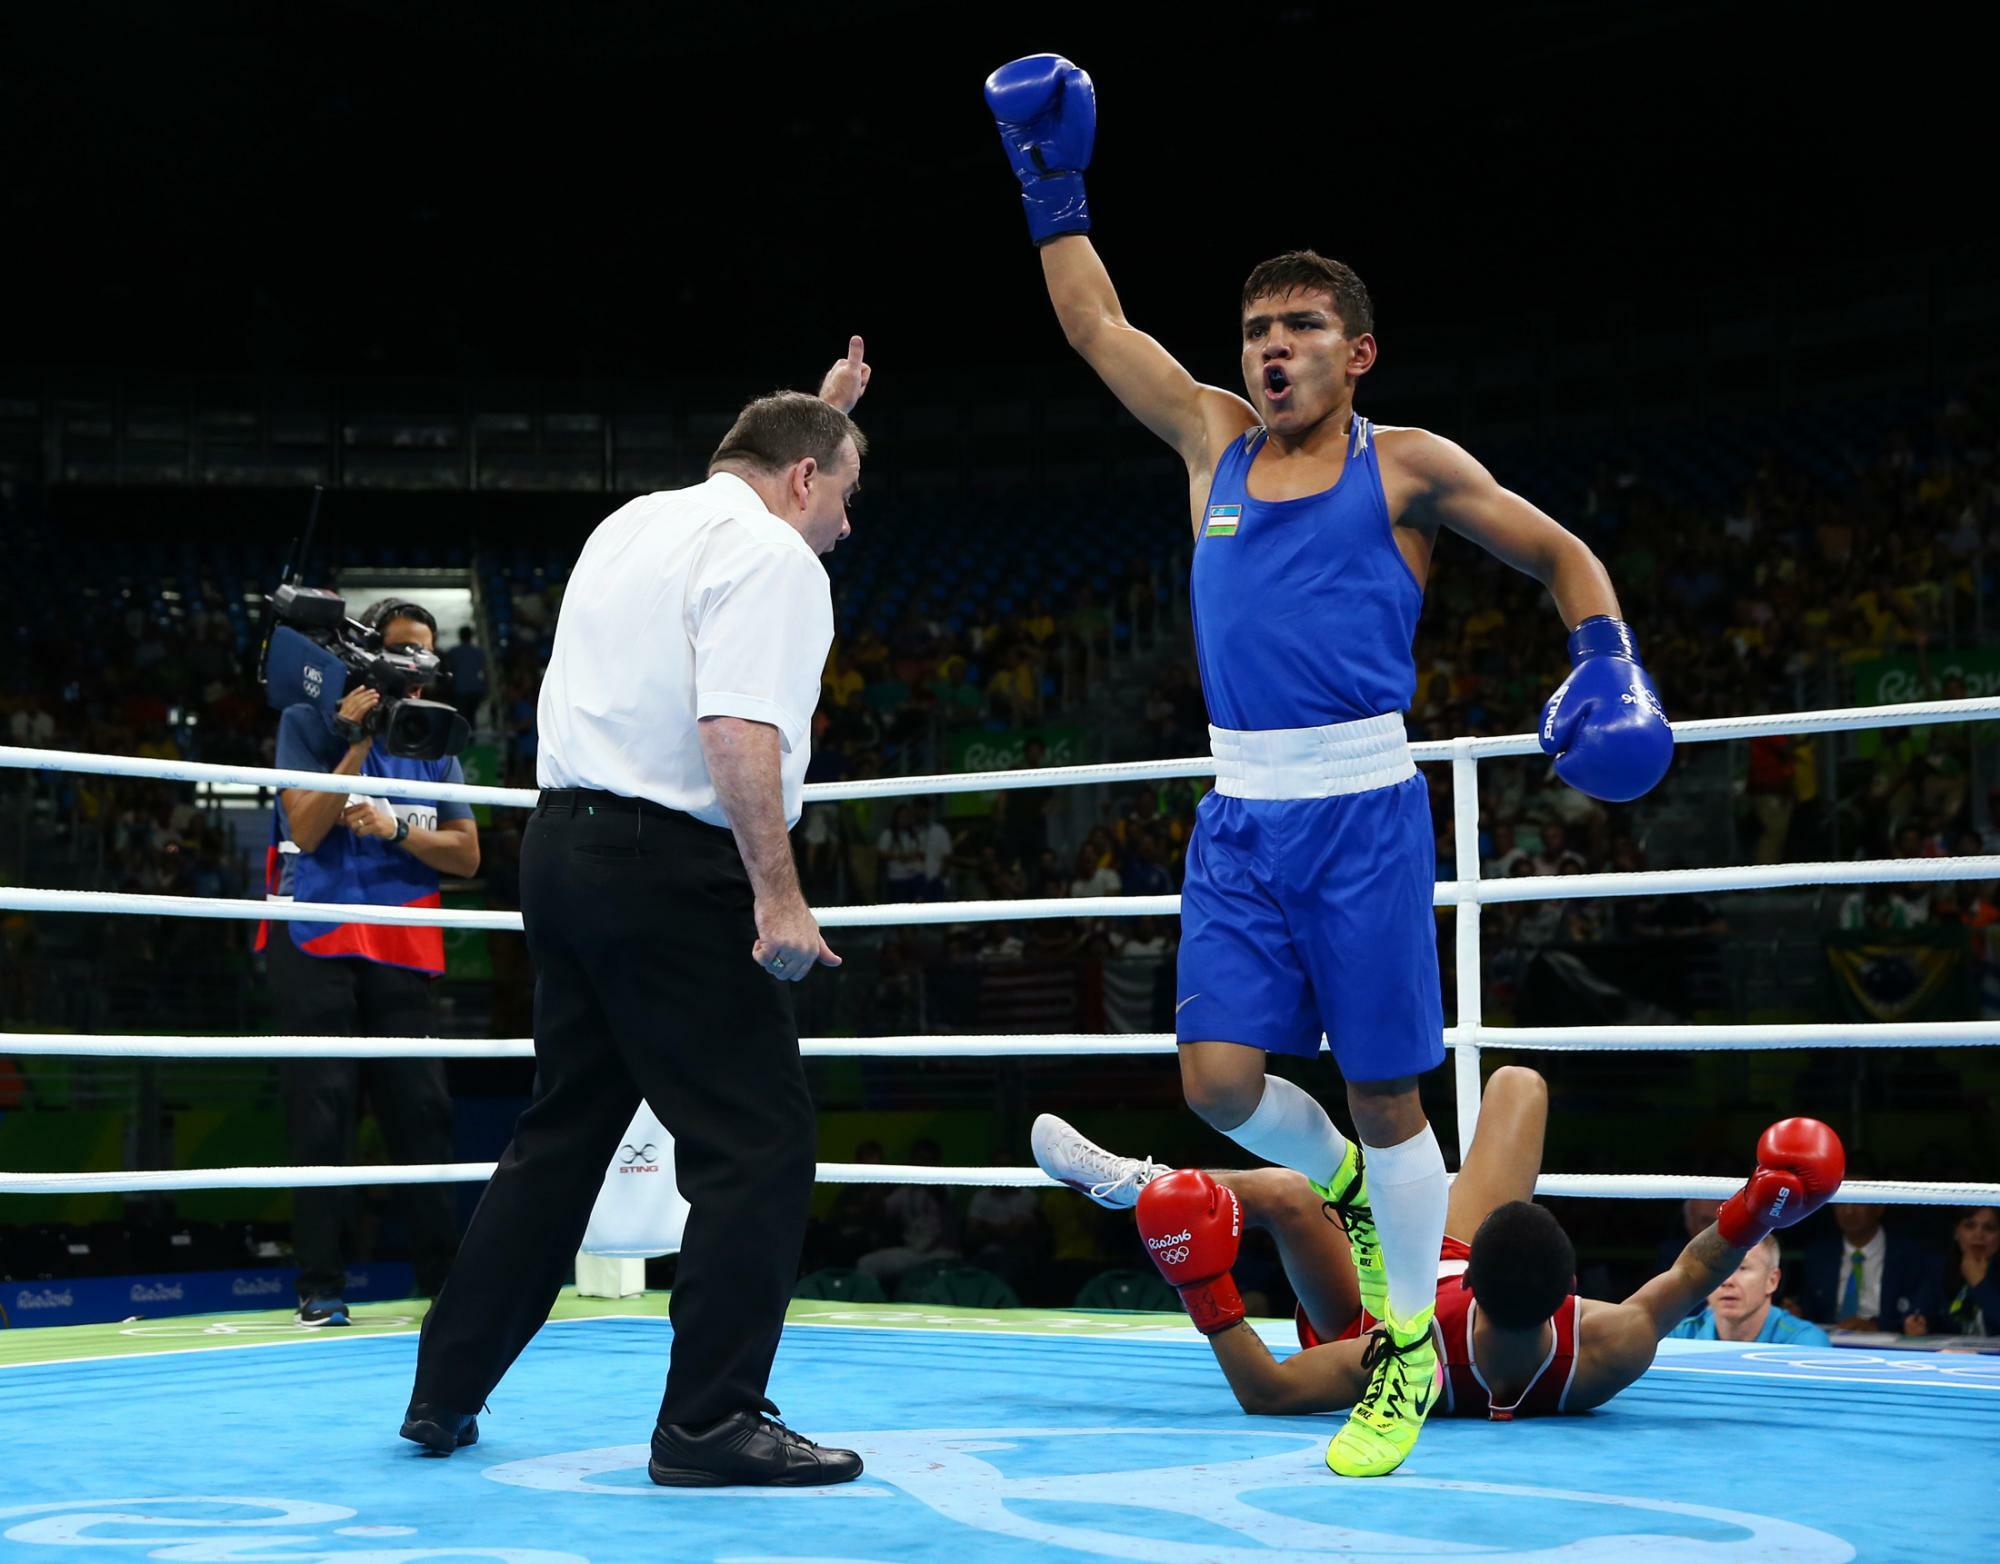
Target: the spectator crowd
pixel 1808 563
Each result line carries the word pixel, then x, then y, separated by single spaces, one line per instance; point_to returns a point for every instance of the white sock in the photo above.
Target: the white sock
pixel 1406 1191
pixel 1291 1129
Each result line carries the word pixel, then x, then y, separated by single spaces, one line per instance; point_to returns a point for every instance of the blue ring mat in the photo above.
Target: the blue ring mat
pixel 984 1446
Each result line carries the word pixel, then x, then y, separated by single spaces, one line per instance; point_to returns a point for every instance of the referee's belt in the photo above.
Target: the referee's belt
pixel 586 800
pixel 1341 757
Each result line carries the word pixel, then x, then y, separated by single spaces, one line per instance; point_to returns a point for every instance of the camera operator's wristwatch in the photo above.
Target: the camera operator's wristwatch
pixel 402 829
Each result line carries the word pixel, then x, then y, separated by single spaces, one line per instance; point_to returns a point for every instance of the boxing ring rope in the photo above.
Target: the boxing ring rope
pixel 1627 1186
pixel 1064 1045
pixel 1467 894
pixel 1446 893
pixel 13 899
pixel 1706 730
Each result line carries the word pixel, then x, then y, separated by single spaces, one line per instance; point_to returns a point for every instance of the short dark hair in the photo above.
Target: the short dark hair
pixel 379 614
pixel 1307 271
pixel 785 427
pixel 1522 1267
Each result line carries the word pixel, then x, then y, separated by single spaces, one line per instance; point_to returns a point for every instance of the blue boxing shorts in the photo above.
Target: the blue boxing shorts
pixel 1307 902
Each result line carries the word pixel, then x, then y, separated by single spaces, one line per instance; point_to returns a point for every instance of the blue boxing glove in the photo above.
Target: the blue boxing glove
pixel 1047 112
pixel 1605 725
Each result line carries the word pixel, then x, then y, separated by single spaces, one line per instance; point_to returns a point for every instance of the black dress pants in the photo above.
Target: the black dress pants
pixel 347 996
pixel 639 922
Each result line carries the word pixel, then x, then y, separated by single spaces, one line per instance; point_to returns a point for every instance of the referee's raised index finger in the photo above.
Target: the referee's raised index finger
pixel 854 351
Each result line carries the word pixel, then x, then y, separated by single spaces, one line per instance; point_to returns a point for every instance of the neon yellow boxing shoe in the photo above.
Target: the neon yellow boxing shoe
pixel 1403 1386
pixel 1346 1198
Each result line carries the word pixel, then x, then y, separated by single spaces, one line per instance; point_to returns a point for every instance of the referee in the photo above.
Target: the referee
pixel 666 924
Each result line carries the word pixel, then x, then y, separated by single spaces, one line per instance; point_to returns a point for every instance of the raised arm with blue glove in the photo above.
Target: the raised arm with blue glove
pixel 1047 113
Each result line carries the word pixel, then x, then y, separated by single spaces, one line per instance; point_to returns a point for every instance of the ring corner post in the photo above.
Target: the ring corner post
pixel 1465 851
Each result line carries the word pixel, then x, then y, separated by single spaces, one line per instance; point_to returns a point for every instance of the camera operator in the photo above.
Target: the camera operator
pixel 361 979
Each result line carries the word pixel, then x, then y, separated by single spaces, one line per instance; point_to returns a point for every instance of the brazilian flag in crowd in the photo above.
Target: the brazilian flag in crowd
pixel 1921 974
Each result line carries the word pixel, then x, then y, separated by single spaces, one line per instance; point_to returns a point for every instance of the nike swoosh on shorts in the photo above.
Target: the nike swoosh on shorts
pixel 1185 1003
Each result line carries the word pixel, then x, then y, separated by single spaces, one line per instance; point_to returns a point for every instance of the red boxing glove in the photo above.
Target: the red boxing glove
pixel 1799 1165
pixel 1192 1227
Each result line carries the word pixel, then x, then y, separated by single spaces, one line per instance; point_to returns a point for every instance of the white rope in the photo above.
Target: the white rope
pixel 258 776
pixel 1739 877
pixel 1671 1186
pixel 1007 781
pixel 108 903
pixel 1445 893
pixel 1713 730
pixel 132 1182
pixel 1003 1045
pixel 1707 730
pixel 85 1046
pixel 922 912
pixel 1731 1039
pixel 1617 1186
pixel 80 761
pixel 277 909
pixel 23 1045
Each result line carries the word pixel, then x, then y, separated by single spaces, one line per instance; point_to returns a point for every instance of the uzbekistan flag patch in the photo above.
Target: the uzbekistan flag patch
pixel 1222 521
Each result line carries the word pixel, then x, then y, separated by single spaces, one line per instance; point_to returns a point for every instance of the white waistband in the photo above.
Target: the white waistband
pixel 1342 757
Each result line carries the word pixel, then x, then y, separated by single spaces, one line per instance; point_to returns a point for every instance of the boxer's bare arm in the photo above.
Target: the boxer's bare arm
pixel 1326 1378
pixel 1431 482
pixel 1702 1267
pixel 1198 421
pixel 1617 1340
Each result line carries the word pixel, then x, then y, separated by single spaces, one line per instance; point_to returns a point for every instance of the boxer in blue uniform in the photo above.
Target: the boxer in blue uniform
pixel 1307 903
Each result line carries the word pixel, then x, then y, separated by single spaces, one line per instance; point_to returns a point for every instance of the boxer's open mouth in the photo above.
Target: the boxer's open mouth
pixel 1276 381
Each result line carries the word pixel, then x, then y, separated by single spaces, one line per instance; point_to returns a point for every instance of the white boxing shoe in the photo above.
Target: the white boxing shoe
pixel 1112 1181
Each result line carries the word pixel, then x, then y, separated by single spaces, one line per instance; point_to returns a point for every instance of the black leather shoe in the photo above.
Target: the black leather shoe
pixel 439 1430
pixel 745 1447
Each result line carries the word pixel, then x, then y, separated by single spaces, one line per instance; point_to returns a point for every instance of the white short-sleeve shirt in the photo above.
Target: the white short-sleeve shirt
pixel 685 604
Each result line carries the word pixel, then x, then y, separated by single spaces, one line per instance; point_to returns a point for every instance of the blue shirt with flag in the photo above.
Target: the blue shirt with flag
pixel 359 869
pixel 1304 609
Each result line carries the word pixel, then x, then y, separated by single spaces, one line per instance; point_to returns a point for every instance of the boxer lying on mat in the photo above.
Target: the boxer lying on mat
pixel 1513 1338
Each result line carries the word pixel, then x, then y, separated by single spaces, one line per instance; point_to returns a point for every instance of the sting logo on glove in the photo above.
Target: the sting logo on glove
pixel 1800 1163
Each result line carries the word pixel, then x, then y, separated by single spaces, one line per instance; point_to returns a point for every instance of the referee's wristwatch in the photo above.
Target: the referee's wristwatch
pixel 402 829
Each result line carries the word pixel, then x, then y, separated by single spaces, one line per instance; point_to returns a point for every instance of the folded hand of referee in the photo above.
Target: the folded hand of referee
pixel 788 943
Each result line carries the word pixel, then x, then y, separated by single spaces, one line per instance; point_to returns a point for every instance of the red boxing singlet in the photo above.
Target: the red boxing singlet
pixel 1465 1393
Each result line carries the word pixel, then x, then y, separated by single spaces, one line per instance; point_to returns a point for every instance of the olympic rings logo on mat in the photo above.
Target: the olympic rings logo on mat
pixel 953 1472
